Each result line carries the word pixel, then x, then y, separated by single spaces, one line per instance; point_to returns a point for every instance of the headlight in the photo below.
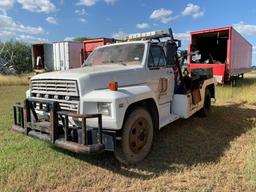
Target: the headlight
pixel 104 108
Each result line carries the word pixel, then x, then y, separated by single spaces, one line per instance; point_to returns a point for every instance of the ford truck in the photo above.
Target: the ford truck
pixel 122 94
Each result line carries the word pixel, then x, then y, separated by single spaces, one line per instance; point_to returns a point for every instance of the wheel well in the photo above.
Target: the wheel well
pixel 148 104
pixel 211 88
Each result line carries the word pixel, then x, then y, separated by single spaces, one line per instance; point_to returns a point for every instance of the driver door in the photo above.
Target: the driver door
pixel 161 75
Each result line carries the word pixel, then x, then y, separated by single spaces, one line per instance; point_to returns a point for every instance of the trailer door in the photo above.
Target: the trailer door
pixel 56 56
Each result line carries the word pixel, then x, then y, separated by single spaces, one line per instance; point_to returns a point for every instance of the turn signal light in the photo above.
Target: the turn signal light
pixel 113 86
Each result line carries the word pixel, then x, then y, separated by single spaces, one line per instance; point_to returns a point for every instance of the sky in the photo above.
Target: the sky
pixel 57 20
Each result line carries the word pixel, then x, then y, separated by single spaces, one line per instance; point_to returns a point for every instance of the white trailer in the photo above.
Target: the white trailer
pixel 66 55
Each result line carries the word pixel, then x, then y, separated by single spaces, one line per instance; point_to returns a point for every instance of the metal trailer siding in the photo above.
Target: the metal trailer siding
pixel 60 56
pixel 33 57
pixel 48 57
pixel 66 55
pixel 56 56
pixel 240 54
pixel 75 54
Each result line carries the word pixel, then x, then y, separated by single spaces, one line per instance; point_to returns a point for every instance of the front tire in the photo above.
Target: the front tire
pixel 137 137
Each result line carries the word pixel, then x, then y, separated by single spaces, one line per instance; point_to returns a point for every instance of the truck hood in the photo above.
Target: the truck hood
pixel 97 77
pixel 77 73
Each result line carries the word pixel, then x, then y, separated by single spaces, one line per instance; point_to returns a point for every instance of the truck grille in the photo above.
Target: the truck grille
pixel 65 92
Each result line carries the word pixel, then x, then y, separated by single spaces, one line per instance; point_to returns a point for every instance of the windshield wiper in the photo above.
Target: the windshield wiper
pixel 124 64
pixel 121 63
pixel 115 62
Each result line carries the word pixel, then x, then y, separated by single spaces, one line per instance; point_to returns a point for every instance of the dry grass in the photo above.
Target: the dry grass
pixel 245 90
pixel 10 80
pixel 216 153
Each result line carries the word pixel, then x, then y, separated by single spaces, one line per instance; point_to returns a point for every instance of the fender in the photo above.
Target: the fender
pixel 120 100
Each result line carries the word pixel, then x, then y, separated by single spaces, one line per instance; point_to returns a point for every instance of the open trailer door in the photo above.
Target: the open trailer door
pixel 42 57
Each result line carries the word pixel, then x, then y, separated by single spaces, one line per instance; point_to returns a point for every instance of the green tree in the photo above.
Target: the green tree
pixel 17 54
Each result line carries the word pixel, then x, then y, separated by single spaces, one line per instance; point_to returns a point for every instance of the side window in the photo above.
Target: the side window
pixel 156 57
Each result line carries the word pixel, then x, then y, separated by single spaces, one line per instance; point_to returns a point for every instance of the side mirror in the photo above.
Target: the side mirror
pixel 179 43
pixel 171 34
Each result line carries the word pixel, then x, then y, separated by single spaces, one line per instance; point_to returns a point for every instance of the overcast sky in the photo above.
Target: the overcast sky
pixel 54 20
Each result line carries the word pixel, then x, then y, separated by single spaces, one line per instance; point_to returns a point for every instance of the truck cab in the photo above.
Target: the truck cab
pixel 121 95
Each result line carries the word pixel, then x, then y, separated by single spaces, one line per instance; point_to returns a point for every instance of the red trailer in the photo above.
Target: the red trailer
pixel 223 49
pixel 91 44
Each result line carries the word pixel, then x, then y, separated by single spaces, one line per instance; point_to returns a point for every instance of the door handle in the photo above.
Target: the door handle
pixel 163 85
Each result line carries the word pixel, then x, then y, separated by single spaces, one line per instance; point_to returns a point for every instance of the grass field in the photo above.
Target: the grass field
pixel 217 153
pixel 10 80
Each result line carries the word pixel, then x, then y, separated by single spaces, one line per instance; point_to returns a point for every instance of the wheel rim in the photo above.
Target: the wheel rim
pixel 138 135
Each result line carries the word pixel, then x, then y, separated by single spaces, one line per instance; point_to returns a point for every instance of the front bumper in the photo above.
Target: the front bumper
pixel 56 129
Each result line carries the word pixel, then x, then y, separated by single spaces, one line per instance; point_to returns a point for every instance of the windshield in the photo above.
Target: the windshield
pixel 126 54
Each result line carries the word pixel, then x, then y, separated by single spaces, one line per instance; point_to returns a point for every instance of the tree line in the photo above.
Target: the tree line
pixel 16 54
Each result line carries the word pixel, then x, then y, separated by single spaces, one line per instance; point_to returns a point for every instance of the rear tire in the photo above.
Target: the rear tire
pixel 137 137
pixel 207 105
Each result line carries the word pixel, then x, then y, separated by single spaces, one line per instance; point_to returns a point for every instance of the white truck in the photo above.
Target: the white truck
pixel 122 94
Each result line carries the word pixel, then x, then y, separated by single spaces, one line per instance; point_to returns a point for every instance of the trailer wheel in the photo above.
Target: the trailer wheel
pixel 233 81
pixel 137 137
pixel 207 105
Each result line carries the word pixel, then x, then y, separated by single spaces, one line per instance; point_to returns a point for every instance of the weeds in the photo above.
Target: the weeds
pixel 11 80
